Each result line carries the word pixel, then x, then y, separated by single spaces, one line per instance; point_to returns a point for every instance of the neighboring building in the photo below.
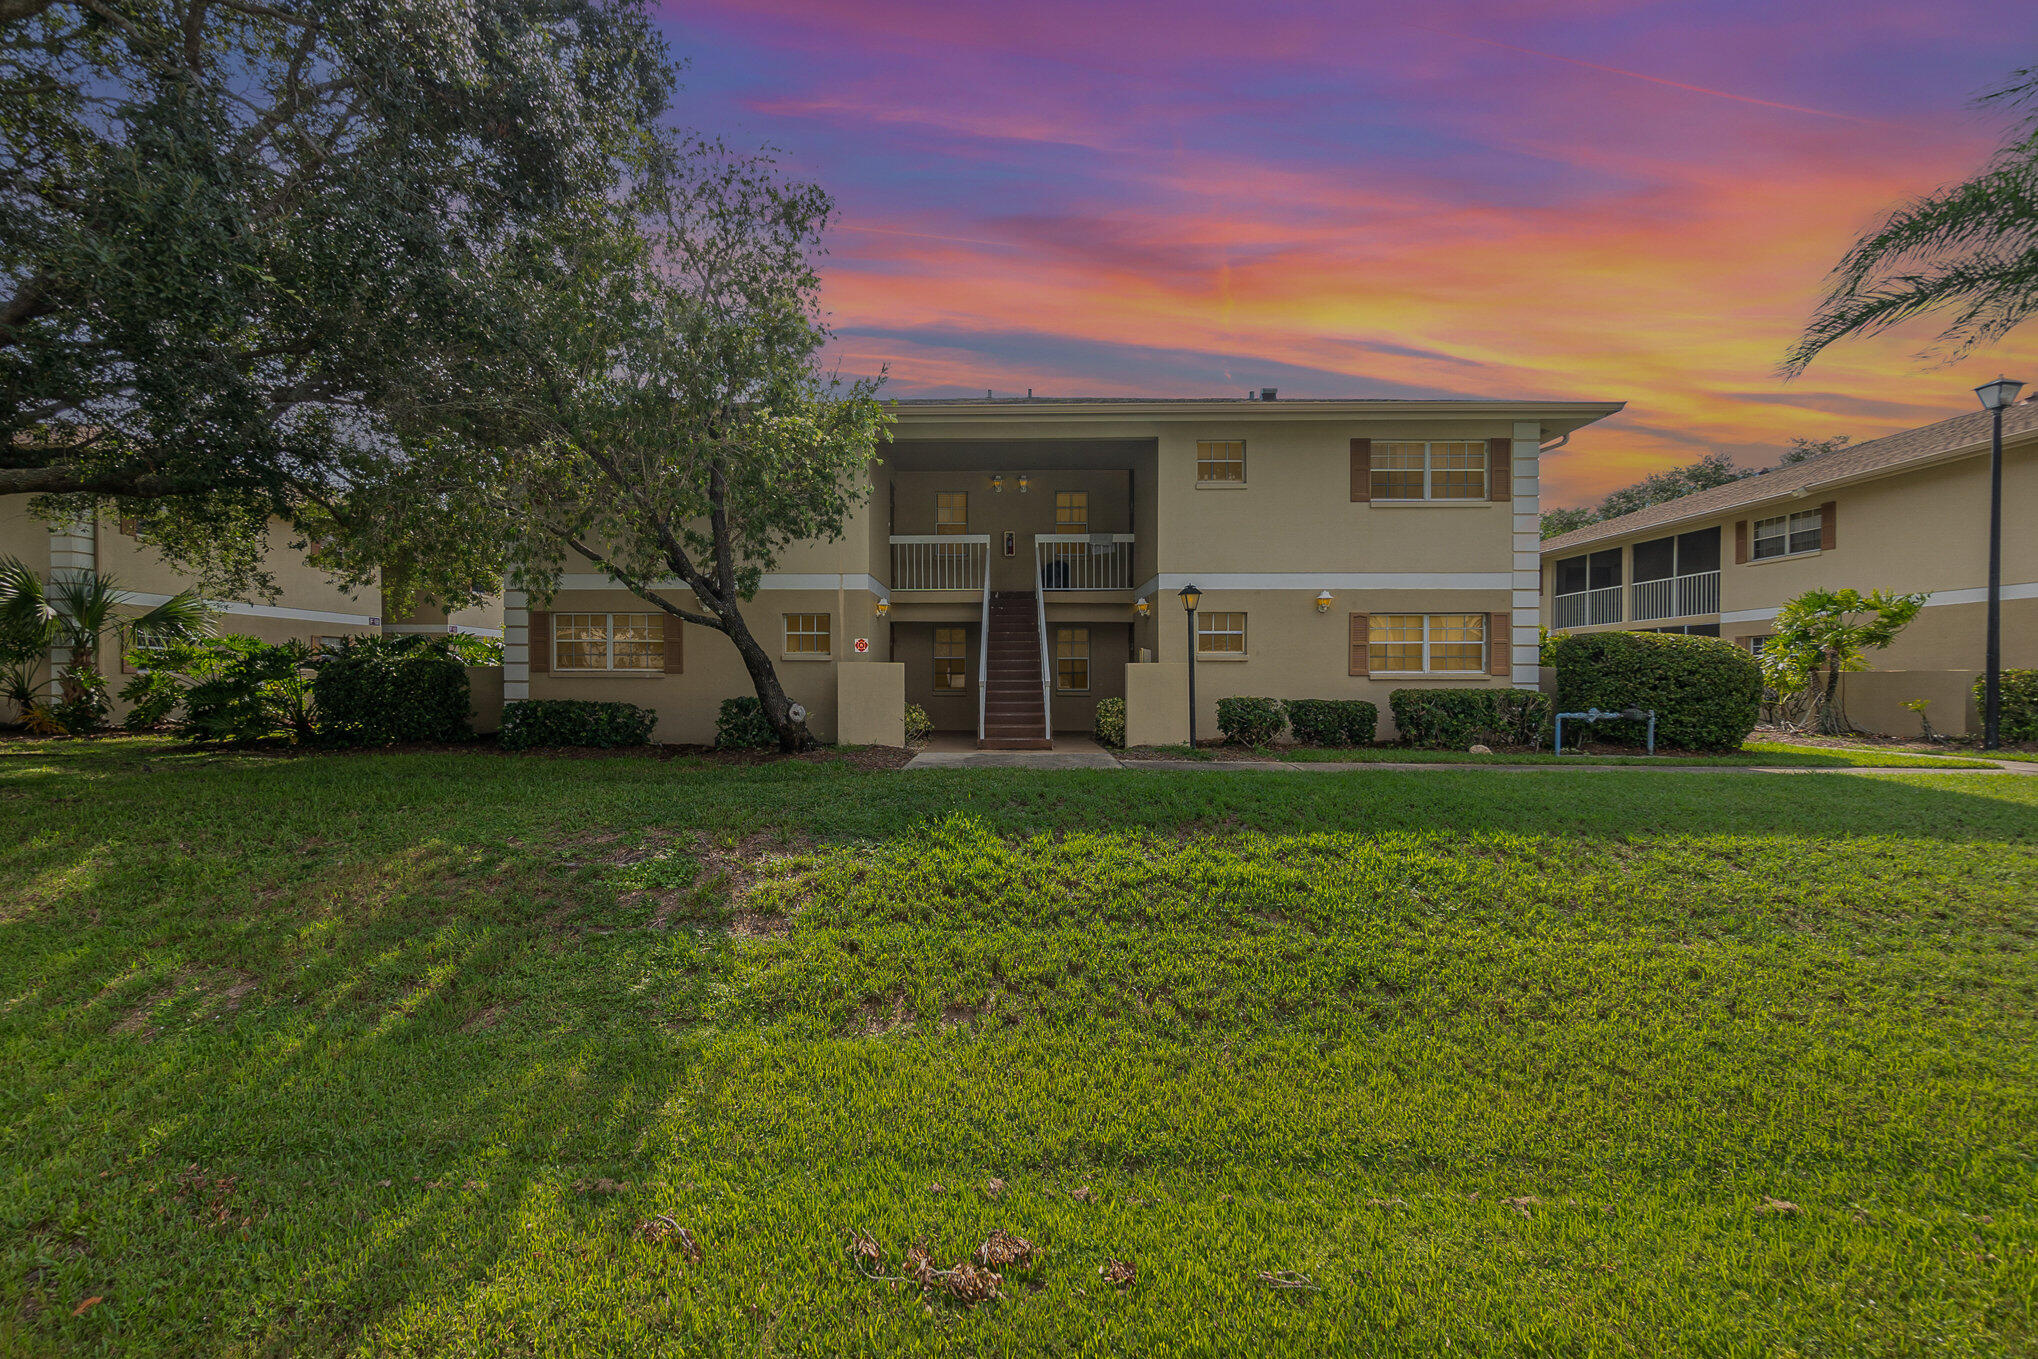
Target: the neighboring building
pixel 1907 512
pixel 1018 560
pixel 307 605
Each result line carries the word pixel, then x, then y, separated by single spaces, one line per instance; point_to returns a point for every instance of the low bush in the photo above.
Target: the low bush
pixel 2017 697
pixel 1249 721
pixel 919 726
pixel 532 722
pixel 1451 719
pixel 375 691
pixel 740 725
pixel 152 695
pixel 1109 725
pixel 240 688
pixel 1332 721
pixel 1707 693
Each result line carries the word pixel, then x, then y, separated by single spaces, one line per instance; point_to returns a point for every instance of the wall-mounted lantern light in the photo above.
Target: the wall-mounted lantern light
pixel 883 606
pixel 997 483
pixel 1025 483
pixel 1323 601
pixel 1143 605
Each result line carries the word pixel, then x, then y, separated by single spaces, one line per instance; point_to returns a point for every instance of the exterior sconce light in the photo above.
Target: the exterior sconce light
pixel 1323 601
pixel 1143 605
pixel 883 606
pixel 998 483
pixel 1025 483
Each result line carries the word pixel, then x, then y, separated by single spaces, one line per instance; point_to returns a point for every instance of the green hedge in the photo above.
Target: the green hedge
pixel 1110 723
pixel 1451 719
pixel 740 725
pixel 532 722
pixel 1332 721
pixel 2017 717
pixel 376 691
pixel 1249 721
pixel 1707 693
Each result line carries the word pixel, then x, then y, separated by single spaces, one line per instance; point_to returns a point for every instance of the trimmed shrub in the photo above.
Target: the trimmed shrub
pixel 1707 693
pixel 1110 723
pixel 1249 721
pixel 1451 719
pixel 1332 721
pixel 242 688
pixel 528 722
pixel 919 726
pixel 375 691
pixel 2017 715
pixel 152 695
pixel 740 725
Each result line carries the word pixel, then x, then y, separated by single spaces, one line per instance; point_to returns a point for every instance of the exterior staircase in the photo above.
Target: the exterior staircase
pixel 1015 717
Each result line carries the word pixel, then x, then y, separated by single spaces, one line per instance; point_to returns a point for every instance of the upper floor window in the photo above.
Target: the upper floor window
pixel 1220 462
pixel 608 641
pixel 951 659
pixel 807 635
pixel 1438 470
pixel 1071 511
pixel 951 511
pixel 1787 534
pixel 1416 642
pixel 1072 660
pixel 1220 634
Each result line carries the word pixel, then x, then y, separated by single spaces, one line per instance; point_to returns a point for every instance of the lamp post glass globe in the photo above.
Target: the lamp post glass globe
pixel 1191 596
pixel 1998 394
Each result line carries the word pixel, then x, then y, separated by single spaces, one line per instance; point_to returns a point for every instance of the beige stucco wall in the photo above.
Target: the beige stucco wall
pixel 870 703
pixel 484 690
pixel 996 513
pixel 1157 704
pixel 22 535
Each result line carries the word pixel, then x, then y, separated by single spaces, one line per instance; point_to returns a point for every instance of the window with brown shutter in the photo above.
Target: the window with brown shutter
pixel 675 647
pixel 1500 644
pixel 1359 662
pixel 1829 526
pixel 1362 481
pixel 540 647
pixel 1500 469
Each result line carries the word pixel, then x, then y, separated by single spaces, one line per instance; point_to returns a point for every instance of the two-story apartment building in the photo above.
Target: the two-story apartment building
pixel 1907 512
pixel 1017 561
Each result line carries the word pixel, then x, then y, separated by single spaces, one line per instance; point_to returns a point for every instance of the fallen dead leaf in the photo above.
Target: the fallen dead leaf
pixel 994 1187
pixel 664 1229
pixel 1784 1206
pixel 86 1306
pixel 1119 1272
pixel 1523 1204
pixel 1082 1195
pixel 1003 1248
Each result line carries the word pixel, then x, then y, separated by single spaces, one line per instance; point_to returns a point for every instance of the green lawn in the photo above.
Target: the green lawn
pixel 1767 754
pixel 392 1054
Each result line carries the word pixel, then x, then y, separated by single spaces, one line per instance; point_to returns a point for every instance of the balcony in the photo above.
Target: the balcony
pixel 1083 561
pixel 1675 596
pixel 1585 608
pixel 927 561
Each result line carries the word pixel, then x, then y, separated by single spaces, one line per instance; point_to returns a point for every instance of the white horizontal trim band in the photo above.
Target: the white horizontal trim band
pixel 266 611
pixel 1977 595
pixel 1333 580
pixel 771 580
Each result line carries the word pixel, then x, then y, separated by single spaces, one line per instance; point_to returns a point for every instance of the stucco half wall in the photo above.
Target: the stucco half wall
pixel 870 703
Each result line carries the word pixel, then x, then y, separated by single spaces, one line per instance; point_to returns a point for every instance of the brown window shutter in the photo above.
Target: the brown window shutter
pixel 1740 542
pixel 1500 644
pixel 1500 469
pixel 1362 483
pixel 675 646
pixel 540 648
pixel 1829 526
pixel 1361 654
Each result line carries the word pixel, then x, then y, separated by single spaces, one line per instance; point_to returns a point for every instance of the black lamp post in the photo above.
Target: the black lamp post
pixel 1191 596
pixel 1995 397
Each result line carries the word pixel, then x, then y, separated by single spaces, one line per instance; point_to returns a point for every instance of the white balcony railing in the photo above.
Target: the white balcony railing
pixel 1084 561
pixel 1675 596
pixel 927 561
pixel 1586 607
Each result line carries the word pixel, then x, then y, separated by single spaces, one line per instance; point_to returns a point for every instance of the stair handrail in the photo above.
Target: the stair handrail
pixel 1046 663
pixel 984 650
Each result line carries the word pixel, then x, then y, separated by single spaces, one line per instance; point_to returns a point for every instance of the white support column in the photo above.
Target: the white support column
pixel 1527 602
pixel 516 645
pixel 74 553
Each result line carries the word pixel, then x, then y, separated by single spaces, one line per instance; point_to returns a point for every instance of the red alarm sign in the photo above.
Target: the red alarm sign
pixel 862 645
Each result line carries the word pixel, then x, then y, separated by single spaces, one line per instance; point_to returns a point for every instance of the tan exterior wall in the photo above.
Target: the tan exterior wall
pixel 1157 704
pixel 484 690
pixel 1875 700
pixel 23 535
pixel 870 703
pixel 998 512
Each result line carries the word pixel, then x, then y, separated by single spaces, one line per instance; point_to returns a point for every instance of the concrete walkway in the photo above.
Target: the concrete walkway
pixel 949 751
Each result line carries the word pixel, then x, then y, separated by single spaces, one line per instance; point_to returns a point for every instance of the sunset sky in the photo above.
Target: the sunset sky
pixel 1569 199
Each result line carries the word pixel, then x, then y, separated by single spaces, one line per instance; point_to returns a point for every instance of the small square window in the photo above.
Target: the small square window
pixel 951 660
pixel 1072 660
pixel 1220 462
pixel 806 634
pixel 1220 633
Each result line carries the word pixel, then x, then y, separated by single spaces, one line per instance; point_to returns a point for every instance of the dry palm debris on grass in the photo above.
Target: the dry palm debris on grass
pixel 1784 1206
pixel 1288 1278
pixel 1003 1249
pixel 664 1230
pixel 1120 1272
pixel 966 1281
pixel 963 1281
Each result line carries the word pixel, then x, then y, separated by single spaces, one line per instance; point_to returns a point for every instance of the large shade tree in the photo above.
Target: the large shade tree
pixel 249 247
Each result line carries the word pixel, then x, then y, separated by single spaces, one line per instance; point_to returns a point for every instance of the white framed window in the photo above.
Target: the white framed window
pixel 1220 634
pixel 1786 535
pixel 608 641
pixel 951 660
pixel 807 636
pixel 1426 643
pixel 1448 469
pixel 1072 660
pixel 1220 462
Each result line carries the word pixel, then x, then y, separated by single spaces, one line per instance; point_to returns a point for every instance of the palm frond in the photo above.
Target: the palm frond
pixel 27 619
pixel 182 615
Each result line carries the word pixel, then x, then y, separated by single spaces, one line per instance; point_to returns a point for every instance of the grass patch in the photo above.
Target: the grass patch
pixel 459 1054
pixel 1766 754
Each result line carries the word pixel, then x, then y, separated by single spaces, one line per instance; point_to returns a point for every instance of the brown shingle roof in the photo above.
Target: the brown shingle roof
pixel 1891 453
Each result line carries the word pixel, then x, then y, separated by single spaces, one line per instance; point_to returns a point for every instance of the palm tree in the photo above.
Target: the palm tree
pixel 74 613
pixel 1971 248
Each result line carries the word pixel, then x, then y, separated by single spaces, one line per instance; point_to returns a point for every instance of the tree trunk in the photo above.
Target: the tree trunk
pixel 793 736
pixel 68 683
pixel 1832 719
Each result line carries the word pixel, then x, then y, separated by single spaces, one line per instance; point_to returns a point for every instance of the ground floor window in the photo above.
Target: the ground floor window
pixel 1220 634
pixel 1072 660
pixel 951 660
pixel 608 641
pixel 1416 642
pixel 806 634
